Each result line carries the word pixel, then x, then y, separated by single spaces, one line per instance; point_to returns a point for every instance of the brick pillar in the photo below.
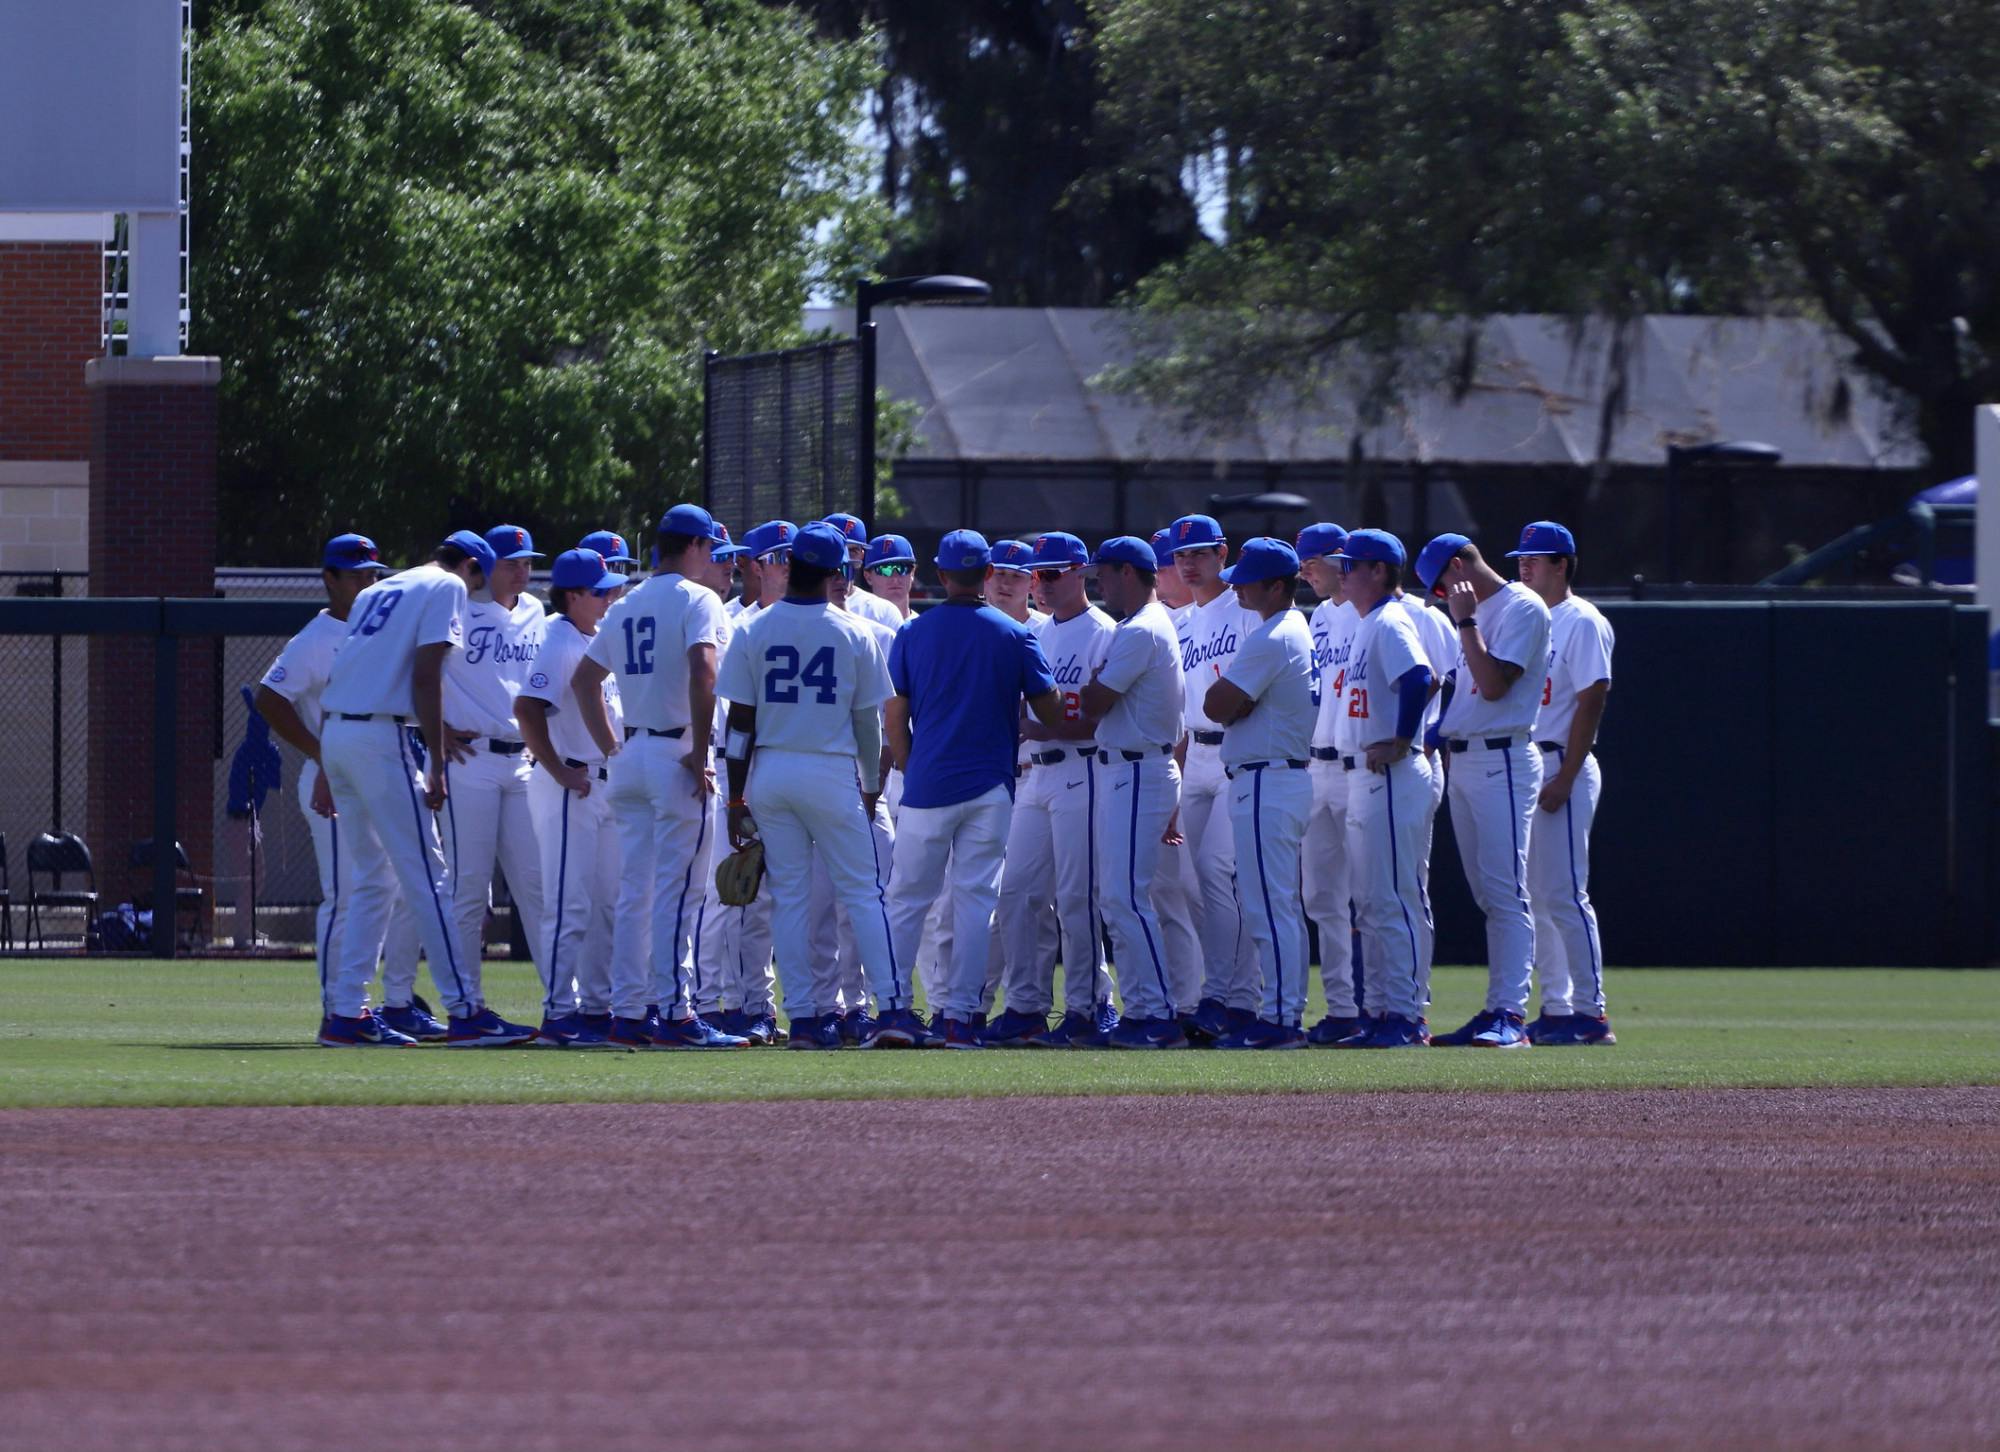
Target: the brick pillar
pixel 152 532
pixel 51 324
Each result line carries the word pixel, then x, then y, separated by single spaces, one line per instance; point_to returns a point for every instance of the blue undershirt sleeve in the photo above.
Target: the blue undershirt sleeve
pixel 1412 691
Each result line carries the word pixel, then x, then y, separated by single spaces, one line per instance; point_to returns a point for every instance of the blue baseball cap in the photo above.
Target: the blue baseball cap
pixel 1263 558
pixel 1320 539
pixel 691 519
pixel 726 551
pixel 1544 537
pixel 1058 551
pixel 511 542
pixel 1011 554
pixel 1163 549
pixel 963 549
pixel 1435 557
pixel 581 569
pixel 1126 549
pixel 850 527
pixel 350 552
pixel 474 545
pixel 888 549
pixel 610 544
pixel 1196 532
pixel 1372 544
pixel 820 545
pixel 772 534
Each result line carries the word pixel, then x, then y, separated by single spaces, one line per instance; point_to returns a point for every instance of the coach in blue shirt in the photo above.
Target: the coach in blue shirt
pixel 960 671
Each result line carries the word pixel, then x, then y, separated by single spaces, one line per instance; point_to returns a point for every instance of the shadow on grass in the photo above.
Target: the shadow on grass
pixel 225 1048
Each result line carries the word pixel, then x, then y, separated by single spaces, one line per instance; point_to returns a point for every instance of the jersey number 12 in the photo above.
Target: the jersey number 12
pixel 639 645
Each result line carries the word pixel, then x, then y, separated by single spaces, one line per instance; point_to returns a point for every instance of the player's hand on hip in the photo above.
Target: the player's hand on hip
pixel 1555 792
pixel 434 788
pixel 742 830
pixel 1461 600
pixel 322 797
pixel 1384 754
pixel 571 778
pixel 458 744
pixel 702 772
pixel 869 802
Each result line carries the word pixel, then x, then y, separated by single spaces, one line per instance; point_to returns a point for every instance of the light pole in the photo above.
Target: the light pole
pixel 1696 456
pixel 938 288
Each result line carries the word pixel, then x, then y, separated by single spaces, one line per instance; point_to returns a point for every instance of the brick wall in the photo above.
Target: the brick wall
pixel 51 324
pixel 152 532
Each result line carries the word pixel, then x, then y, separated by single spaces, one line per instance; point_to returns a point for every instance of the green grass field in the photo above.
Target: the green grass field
pixel 140 1032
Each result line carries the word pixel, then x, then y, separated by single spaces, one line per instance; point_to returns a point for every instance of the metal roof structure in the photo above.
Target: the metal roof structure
pixel 1021 385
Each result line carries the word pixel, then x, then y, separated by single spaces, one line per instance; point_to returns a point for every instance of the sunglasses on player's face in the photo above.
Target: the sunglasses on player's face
pixel 891 570
pixel 1049 577
pixel 777 557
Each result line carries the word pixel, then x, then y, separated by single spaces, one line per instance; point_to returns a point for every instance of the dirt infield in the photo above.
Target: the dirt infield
pixel 1728 1270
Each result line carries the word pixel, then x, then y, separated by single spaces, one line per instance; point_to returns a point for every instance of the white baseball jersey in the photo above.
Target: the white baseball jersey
pixel 1214 632
pixel 806 669
pixel 873 607
pixel 1273 667
pixel 390 622
pixel 645 640
pixel 1514 623
pixel 1580 643
pixel 1142 658
pixel 1440 641
pixel 552 680
pixel 1074 647
pixel 300 672
pixel 482 680
pixel 1386 649
pixel 1334 625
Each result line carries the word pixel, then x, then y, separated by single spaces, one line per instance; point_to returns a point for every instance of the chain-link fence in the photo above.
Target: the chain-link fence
pixel 782 432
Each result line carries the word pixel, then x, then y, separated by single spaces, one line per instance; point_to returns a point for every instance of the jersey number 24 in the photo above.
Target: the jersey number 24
pixel 782 681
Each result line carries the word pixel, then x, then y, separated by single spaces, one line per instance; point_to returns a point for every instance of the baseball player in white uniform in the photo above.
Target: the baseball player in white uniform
pixel 388 672
pixel 1231 991
pixel 1134 699
pixel 1050 843
pixel 806 683
pixel 1494 772
pixel 717 925
pixel 1389 683
pixel 860 602
pixel 568 796
pixel 288 698
pixel 1569 954
pixel 1328 898
pixel 890 567
pixel 1264 701
pixel 486 819
pixel 661 641
pixel 1176 893
pixel 610 544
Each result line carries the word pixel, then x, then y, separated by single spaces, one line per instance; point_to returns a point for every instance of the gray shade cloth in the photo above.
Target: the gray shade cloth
pixel 1020 384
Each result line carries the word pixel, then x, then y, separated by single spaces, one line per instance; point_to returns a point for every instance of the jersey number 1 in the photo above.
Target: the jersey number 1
pixel 779 687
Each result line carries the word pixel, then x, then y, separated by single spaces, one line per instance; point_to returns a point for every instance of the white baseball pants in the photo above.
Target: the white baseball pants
pixel 1230 971
pixel 1328 896
pixel 1268 807
pixel 1176 898
pixel 935 946
pixel 1493 791
pixel 716 924
pixel 1386 815
pixel 1050 853
pixel 660 814
pixel 376 783
pixel 1139 798
pixel 400 950
pixel 973 836
pixel 580 885
pixel 840 947
pixel 356 892
pixel 1568 952
pixel 487 821
pixel 807 808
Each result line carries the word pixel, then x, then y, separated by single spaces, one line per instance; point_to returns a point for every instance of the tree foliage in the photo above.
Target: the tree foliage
pixel 1384 162
pixel 461 259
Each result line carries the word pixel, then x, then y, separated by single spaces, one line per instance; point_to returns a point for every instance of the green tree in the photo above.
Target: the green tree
pixel 1388 162
pixel 461 260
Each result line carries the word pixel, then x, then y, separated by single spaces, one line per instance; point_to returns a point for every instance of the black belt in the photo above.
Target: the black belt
pixel 1350 763
pixel 1550 745
pixel 1046 758
pixel 1286 765
pixel 372 716
pixel 505 748
pixel 1491 743
pixel 1207 738
pixel 602 774
pixel 675 732
pixel 1104 753
pixel 1325 753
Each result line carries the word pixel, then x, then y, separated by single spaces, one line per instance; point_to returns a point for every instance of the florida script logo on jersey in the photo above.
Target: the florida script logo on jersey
pixel 1215 648
pixel 485 640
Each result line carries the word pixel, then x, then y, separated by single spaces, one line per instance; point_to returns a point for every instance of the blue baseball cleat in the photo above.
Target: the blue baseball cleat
pixel 487 1030
pixel 900 1028
pixel 1208 1022
pixel 1018 1029
pixel 1590 1030
pixel 855 1023
pixel 1147 1033
pixel 569 1031
pixel 1075 1031
pixel 1107 1020
pixel 1507 1031
pixel 1461 1038
pixel 630 1033
pixel 598 1022
pixel 816 1031
pixel 337 1031
pixel 960 1034
pixel 1263 1034
pixel 761 1029
pixel 1570 1030
pixel 1393 1032
pixel 1330 1030
pixel 693 1032
pixel 416 1020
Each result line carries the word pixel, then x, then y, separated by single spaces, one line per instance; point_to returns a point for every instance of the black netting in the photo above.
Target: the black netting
pixel 782 435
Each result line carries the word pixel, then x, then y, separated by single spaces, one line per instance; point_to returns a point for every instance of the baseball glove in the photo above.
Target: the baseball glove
pixel 739 874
